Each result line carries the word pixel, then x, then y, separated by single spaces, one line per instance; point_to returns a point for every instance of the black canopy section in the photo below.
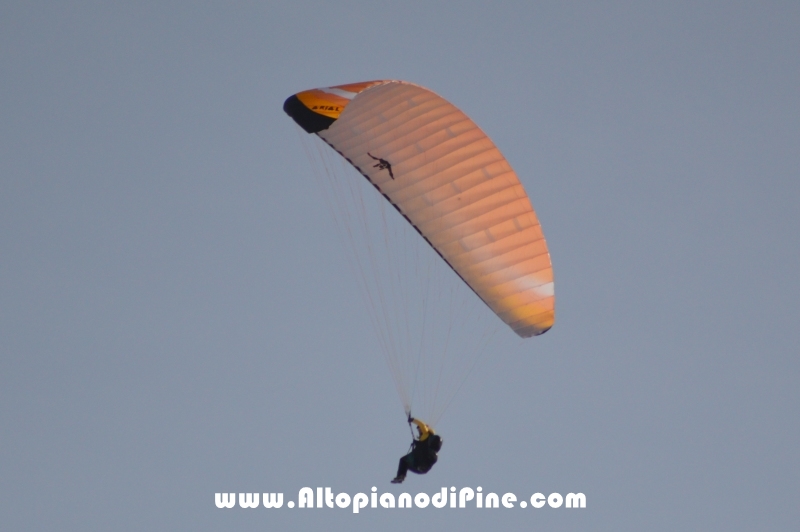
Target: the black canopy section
pixel 305 117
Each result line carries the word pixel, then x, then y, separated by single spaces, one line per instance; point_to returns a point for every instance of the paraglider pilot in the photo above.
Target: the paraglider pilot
pixel 422 455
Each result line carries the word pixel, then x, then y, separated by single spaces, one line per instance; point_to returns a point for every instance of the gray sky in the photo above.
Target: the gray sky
pixel 177 317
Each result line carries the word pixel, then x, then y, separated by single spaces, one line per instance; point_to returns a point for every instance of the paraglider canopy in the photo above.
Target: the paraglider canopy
pixel 449 181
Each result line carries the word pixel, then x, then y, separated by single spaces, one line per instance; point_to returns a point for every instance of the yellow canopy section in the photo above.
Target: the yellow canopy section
pixel 449 180
pixel 331 101
pixel 316 109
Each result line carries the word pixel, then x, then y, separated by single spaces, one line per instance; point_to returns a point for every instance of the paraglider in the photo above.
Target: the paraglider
pixel 423 452
pixel 451 184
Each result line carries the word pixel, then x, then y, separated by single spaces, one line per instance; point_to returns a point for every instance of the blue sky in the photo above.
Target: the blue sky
pixel 177 316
